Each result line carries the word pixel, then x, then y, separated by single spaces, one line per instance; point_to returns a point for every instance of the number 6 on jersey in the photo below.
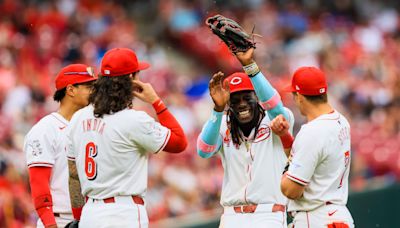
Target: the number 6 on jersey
pixel 90 163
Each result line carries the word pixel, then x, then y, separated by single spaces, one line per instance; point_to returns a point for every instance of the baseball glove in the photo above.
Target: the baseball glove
pixel 231 33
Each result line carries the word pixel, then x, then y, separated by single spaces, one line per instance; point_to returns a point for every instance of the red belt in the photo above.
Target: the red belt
pixel 252 208
pixel 136 199
pixel 326 203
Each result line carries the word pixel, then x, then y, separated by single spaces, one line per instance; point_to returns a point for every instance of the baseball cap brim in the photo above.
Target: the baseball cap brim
pixel 143 65
pixel 288 89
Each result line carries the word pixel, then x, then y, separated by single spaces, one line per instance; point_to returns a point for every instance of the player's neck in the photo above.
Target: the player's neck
pixel 314 111
pixel 67 109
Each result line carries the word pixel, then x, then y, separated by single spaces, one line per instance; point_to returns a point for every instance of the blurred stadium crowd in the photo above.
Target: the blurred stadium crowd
pixel 357 44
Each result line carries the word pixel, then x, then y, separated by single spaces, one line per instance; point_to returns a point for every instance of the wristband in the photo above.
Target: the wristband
pixel 251 69
pixel 287 140
pixel 77 213
pixel 159 106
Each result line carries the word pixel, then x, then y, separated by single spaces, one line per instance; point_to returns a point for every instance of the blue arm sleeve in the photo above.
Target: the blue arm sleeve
pixel 210 135
pixel 265 91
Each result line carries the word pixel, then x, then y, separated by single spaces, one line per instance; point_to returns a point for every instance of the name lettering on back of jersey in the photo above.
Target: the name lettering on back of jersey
pixel 93 125
pixel 346 166
pixel 36 147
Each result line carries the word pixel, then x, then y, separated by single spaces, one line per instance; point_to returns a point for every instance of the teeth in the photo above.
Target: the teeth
pixel 244 112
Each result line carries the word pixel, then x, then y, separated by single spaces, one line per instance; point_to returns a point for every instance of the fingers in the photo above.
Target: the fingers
pixel 216 79
pixel 137 94
pixel 137 82
pixel 279 124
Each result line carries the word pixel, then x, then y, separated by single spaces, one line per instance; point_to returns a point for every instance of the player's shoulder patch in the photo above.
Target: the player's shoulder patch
pixel 34 147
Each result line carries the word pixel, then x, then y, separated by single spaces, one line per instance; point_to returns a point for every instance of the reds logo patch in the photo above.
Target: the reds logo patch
pixel 36 147
pixel 263 133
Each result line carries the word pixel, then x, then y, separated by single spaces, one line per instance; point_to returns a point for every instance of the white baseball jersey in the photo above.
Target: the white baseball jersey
pixel 253 171
pixel 321 162
pixel 45 145
pixel 111 153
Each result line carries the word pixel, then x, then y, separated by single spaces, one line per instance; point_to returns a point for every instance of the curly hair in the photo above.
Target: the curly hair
pixel 111 94
pixel 234 125
pixel 59 94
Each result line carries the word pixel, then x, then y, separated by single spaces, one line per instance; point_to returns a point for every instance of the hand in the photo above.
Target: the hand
pixel 73 224
pixel 219 91
pixel 245 58
pixel 279 125
pixel 144 91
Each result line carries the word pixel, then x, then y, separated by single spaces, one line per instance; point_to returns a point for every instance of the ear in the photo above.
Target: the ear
pixel 300 98
pixel 70 90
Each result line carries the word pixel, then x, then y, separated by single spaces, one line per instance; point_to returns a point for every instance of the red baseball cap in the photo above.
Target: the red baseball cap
pixel 239 82
pixel 308 81
pixel 74 74
pixel 121 61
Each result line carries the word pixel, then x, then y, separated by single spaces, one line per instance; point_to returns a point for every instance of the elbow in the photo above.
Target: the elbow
pixel 182 145
pixel 204 154
pixel 289 193
pixel 290 190
pixel 176 144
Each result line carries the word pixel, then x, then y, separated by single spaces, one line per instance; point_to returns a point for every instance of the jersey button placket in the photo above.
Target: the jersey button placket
pixel 249 160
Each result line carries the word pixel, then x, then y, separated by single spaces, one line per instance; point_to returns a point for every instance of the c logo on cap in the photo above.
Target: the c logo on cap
pixel 322 90
pixel 236 80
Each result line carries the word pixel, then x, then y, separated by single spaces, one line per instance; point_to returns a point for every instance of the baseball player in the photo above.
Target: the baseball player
pixel 252 156
pixel 45 147
pixel 109 144
pixel 317 180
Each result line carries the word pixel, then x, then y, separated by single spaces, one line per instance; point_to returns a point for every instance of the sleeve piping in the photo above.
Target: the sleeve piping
pixel 297 180
pixel 46 164
pixel 165 141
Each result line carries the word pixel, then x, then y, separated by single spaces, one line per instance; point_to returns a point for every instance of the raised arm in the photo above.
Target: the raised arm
pixel 269 97
pixel 209 141
pixel 177 142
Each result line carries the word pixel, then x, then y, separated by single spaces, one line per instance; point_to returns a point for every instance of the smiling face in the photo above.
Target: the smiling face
pixel 243 104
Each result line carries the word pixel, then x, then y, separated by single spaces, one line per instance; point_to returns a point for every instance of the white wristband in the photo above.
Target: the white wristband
pixel 251 69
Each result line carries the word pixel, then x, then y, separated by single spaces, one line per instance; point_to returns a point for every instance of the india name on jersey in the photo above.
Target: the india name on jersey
pixel 45 145
pixel 253 170
pixel 111 153
pixel 321 162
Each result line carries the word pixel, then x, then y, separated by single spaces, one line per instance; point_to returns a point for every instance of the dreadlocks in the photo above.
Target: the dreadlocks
pixel 234 125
